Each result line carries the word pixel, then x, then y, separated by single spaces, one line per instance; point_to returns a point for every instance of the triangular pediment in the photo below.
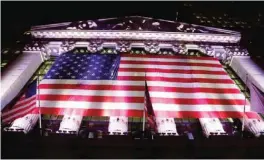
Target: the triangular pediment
pixel 134 23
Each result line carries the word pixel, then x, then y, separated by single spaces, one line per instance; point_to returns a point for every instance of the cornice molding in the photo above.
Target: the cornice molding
pixel 55 48
pixel 136 35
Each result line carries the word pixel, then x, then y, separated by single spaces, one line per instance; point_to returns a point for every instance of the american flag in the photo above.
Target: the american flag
pixel 23 105
pixel 151 118
pixel 182 87
pixel 114 85
pixel 91 85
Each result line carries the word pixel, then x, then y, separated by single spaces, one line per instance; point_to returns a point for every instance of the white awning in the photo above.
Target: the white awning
pixel 248 71
pixel 17 75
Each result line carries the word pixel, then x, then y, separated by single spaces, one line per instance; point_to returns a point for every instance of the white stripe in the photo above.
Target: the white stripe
pixel 173 75
pixel 168 60
pixel 198 108
pixel 25 100
pixel 191 85
pixel 91 105
pixel 92 92
pixel 19 113
pixel 196 95
pixel 93 82
pixel 169 67
pixel 21 107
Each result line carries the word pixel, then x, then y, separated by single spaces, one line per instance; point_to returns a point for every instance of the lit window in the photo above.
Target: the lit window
pixel 5 52
pixel 17 52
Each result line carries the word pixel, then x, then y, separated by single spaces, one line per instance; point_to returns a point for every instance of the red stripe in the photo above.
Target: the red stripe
pixel 209 114
pixel 190 80
pixel 92 112
pixel 92 87
pixel 180 80
pixel 171 63
pixel 92 98
pixel 169 57
pixel 22 98
pixel 193 90
pixel 172 71
pixel 18 116
pixel 19 104
pixel 131 78
pixel 192 101
pixel 18 111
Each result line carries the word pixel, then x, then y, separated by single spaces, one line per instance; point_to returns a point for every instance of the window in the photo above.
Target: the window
pixel 43 69
pixel 193 120
pixel 238 81
pixel 177 120
pixel 86 118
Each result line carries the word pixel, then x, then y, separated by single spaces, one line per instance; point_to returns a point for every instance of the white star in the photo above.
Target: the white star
pixel 72 67
pixel 79 65
pixel 69 73
pixel 95 68
pixel 57 73
pixel 53 70
pixel 76 71
pixel 82 60
pixel 72 77
pixel 60 77
pixel 75 62
pixel 78 57
pixel 49 76
pixel 90 65
pixel 85 77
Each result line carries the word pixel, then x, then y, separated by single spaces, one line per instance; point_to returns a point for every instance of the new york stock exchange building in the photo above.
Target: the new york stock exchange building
pixel 132 87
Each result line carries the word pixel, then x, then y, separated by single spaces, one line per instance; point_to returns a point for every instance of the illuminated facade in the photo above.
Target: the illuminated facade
pixel 135 35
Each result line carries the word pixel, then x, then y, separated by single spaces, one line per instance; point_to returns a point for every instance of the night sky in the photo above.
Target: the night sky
pixel 17 17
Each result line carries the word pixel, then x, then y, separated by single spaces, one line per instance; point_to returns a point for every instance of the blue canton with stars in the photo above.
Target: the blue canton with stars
pixel 85 67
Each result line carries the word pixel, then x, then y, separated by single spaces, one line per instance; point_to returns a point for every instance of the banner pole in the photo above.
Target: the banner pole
pixel 40 125
pixel 243 122
pixel 144 112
